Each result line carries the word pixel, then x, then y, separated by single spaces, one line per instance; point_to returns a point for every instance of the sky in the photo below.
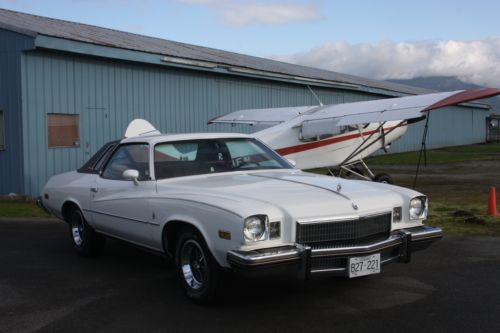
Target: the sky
pixel 380 39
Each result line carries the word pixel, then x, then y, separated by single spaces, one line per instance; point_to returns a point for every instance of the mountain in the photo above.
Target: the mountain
pixel 448 83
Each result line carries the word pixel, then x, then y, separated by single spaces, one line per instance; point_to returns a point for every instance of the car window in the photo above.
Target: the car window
pixel 179 151
pixel 96 161
pixel 249 154
pixel 131 156
pixel 185 158
pixel 99 164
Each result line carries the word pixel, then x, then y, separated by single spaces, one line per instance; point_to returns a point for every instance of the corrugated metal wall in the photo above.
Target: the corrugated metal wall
pixel 11 161
pixel 451 126
pixel 109 94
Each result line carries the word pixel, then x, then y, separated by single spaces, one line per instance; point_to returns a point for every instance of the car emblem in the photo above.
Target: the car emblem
pixel 339 187
pixel 354 206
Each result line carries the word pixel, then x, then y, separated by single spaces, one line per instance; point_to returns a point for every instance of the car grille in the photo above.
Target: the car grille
pixel 344 233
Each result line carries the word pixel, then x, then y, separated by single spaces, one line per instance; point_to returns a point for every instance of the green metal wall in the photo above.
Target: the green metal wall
pixel 108 94
pixel 11 161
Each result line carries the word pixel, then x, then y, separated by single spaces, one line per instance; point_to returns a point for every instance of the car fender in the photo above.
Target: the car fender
pixel 211 232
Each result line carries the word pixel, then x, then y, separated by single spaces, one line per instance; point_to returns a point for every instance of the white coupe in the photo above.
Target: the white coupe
pixel 227 202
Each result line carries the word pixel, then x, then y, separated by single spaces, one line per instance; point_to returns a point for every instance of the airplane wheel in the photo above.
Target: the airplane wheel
pixel 383 178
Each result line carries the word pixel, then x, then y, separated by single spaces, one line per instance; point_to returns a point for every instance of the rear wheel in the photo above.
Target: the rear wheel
pixel 198 271
pixel 86 241
pixel 383 178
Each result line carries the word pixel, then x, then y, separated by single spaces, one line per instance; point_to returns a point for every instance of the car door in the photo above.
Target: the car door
pixel 120 206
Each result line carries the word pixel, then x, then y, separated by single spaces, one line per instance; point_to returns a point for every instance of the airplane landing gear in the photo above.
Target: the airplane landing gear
pixel 360 170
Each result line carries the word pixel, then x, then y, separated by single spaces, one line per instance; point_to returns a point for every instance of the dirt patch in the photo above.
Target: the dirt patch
pixel 448 179
pixel 463 216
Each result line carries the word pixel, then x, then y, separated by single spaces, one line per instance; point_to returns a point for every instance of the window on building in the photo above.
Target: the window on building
pixel 2 131
pixel 63 130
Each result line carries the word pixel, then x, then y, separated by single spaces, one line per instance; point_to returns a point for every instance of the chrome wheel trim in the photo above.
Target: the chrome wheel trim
pixel 77 228
pixel 193 264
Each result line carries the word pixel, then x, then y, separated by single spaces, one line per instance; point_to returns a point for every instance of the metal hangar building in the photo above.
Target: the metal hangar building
pixel 67 88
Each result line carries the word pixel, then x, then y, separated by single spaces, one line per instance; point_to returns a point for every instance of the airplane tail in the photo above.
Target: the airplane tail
pixel 139 127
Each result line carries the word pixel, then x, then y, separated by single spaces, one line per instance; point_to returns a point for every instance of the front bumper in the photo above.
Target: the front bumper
pixel 303 261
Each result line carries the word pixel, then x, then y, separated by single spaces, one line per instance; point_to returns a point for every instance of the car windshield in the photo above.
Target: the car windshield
pixel 195 157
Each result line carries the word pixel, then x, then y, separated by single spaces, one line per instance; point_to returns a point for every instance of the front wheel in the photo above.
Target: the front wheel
pixel 199 273
pixel 383 178
pixel 86 241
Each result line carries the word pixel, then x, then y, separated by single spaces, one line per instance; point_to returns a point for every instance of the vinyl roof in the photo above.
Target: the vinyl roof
pixel 34 25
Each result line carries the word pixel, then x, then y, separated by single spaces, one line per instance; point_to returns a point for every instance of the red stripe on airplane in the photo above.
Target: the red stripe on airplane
pixel 322 143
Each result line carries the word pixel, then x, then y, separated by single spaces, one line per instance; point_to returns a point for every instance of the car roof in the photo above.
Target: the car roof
pixel 154 139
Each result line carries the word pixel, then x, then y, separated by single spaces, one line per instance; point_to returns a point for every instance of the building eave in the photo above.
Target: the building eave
pixel 89 49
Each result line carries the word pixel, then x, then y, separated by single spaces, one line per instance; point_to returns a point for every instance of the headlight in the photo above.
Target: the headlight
pixel 254 228
pixel 418 208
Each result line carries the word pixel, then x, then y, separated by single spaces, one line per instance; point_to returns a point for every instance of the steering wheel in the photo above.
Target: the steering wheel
pixel 246 164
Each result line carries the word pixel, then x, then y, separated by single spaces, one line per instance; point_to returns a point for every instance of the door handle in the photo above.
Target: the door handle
pixel 93 189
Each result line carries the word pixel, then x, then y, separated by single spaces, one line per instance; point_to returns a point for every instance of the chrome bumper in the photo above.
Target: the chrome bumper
pixel 304 261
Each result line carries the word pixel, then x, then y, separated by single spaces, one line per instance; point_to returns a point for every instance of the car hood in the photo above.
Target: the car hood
pixel 293 192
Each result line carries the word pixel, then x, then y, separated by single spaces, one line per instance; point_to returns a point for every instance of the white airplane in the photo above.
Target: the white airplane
pixel 341 135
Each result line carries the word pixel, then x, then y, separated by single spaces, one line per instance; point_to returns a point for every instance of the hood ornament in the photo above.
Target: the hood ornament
pixel 354 206
pixel 339 187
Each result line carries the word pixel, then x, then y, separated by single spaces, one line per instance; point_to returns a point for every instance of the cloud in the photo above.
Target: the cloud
pixel 240 13
pixel 269 14
pixel 475 62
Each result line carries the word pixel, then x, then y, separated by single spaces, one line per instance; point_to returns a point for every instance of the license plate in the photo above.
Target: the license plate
pixel 360 266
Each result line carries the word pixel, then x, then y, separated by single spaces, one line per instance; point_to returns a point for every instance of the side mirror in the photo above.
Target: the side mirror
pixel 131 174
pixel 292 162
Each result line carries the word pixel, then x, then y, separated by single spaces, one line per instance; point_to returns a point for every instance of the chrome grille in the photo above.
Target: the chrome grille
pixel 343 233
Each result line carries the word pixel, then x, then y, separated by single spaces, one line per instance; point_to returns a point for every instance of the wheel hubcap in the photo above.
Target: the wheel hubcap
pixel 77 229
pixel 193 264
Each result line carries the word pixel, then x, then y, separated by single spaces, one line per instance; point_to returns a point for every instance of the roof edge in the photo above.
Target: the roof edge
pixel 90 49
pixel 18 30
pixel 137 47
pixel 97 50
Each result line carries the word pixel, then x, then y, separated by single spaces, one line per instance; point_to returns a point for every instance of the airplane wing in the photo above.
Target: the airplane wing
pixel 401 108
pixel 380 110
pixel 263 116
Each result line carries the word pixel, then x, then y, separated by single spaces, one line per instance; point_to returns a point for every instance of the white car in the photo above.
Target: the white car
pixel 227 202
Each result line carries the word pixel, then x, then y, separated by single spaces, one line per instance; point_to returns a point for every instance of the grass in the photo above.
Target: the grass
pixel 457 210
pixel 460 217
pixel 479 152
pixel 19 208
